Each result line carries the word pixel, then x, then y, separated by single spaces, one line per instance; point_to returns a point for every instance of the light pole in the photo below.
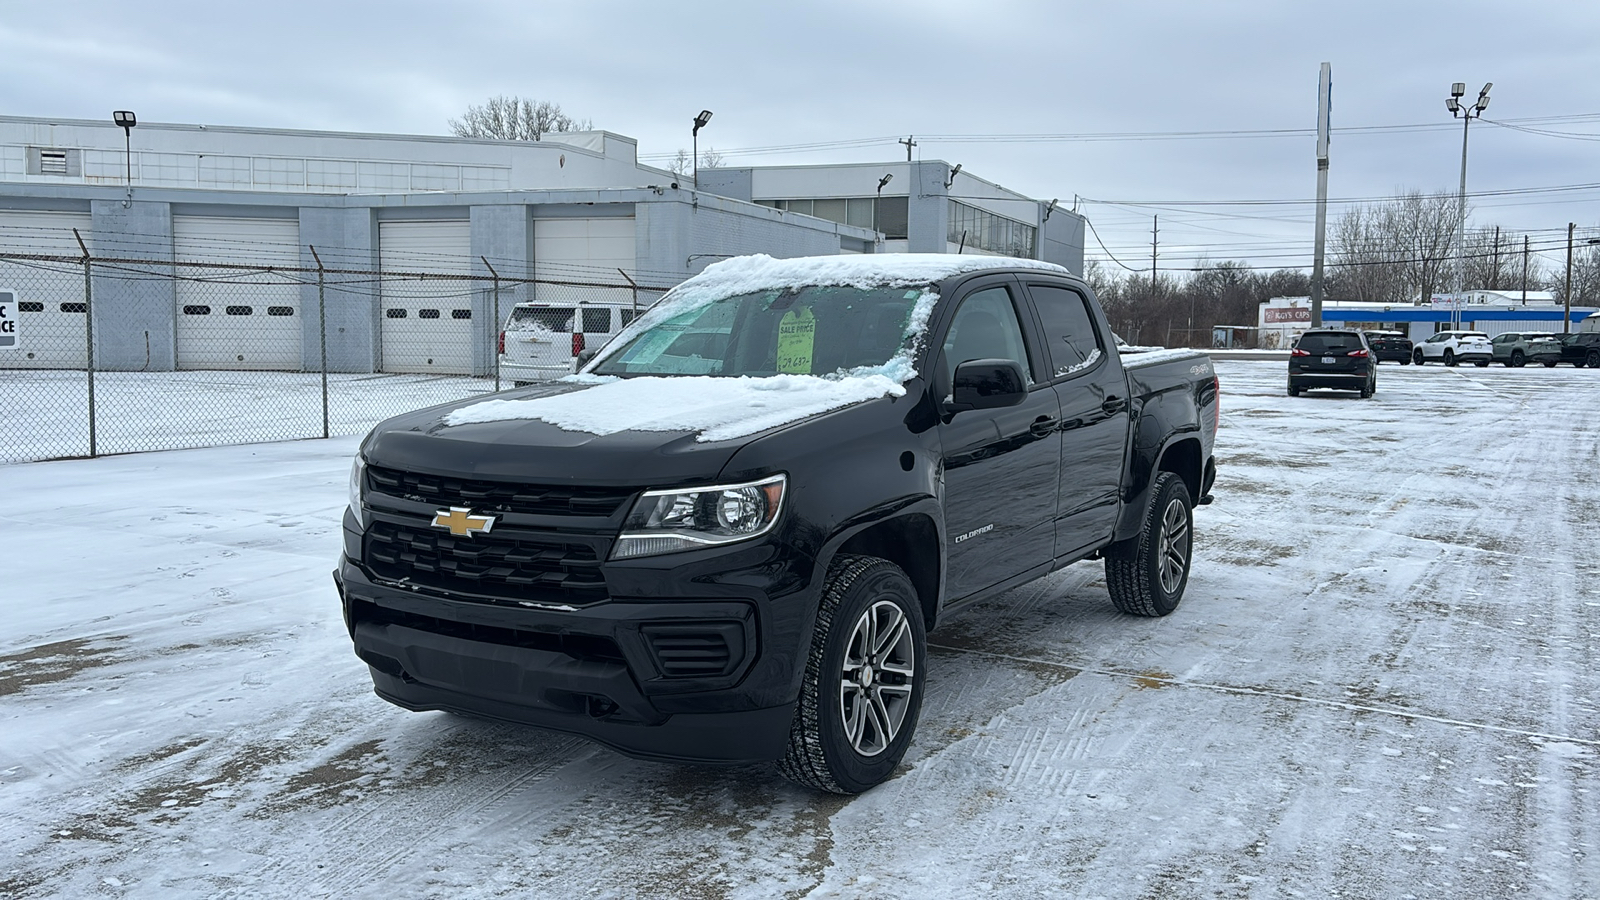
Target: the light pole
pixel 1466 114
pixel 126 121
pixel 882 182
pixel 699 123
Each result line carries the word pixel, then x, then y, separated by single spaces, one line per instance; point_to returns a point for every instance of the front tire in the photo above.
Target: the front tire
pixel 1146 574
pixel 1406 361
pixel 1417 357
pixel 1517 360
pixel 864 678
pixel 1593 359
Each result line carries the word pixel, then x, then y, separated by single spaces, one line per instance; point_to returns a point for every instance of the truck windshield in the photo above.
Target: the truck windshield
pixel 811 330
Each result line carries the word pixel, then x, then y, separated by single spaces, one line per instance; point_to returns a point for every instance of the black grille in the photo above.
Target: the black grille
pixel 499 496
pixel 701 649
pixel 543 570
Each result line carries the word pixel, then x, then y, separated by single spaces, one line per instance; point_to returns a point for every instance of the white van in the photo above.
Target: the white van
pixel 541 341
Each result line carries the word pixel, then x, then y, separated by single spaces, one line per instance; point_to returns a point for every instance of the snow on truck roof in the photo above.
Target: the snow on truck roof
pixel 725 408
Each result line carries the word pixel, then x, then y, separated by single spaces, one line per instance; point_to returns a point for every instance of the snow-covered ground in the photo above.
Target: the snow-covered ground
pixel 47 410
pixel 1382 683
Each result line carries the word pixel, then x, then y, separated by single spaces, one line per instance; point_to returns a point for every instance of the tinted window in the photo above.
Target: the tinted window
pixel 1329 342
pixel 985 327
pixel 1068 329
pixel 597 320
pixel 550 318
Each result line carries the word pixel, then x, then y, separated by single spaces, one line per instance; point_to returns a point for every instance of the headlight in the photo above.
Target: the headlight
pixel 688 519
pixel 358 471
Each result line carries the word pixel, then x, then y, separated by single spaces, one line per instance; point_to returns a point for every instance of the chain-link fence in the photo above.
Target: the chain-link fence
pixel 119 355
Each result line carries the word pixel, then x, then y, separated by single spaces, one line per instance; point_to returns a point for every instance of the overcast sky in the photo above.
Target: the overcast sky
pixel 1021 93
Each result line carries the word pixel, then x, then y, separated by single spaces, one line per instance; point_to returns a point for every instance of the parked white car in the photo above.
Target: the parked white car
pixel 1451 347
pixel 541 341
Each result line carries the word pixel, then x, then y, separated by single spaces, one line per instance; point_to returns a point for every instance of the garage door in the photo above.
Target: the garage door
pixel 582 250
pixel 231 318
pixel 51 325
pixel 427 322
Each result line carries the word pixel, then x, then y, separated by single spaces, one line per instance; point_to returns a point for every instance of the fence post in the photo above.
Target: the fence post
pixel 635 285
pixel 494 326
pixel 322 334
pixel 88 322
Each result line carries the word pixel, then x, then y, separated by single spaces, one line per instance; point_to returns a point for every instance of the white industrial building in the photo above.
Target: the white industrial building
pixel 575 207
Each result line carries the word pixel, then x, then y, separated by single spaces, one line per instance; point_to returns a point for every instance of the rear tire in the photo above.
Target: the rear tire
pixel 1146 574
pixel 1550 364
pixel 862 691
pixel 1482 364
pixel 1449 357
pixel 1406 361
pixel 1294 391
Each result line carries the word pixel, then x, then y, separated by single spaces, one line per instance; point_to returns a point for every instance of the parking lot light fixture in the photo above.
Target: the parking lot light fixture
pixel 699 123
pixel 1466 114
pixel 126 120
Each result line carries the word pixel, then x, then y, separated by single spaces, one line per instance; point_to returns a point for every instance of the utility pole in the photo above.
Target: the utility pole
pixel 1524 270
pixel 1494 279
pixel 1324 113
pixel 1155 223
pixel 909 144
pixel 1566 296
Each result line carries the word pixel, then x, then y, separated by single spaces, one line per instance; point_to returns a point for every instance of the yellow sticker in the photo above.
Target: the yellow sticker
pixel 797 332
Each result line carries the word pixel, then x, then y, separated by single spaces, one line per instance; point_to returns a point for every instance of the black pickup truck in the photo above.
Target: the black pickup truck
pixel 724 540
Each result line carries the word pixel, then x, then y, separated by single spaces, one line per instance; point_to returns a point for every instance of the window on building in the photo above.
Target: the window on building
pixel 983 230
pixel 885 214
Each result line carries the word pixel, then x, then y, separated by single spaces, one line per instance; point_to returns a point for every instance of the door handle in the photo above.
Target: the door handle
pixel 1043 425
pixel 1113 405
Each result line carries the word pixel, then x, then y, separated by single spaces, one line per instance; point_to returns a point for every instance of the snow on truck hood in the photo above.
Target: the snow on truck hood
pixel 719 409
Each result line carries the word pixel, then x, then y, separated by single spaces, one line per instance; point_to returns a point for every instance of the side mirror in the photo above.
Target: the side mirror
pixel 986 384
pixel 584 356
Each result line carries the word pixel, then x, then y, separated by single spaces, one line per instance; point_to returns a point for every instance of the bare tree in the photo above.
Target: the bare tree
pixel 1366 265
pixel 680 165
pixel 1398 250
pixel 710 159
pixel 515 119
pixel 1585 276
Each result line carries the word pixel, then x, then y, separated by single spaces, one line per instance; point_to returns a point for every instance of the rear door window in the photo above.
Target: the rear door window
pixel 1329 343
pixel 597 321
pixel 1069 332
pixel 549 318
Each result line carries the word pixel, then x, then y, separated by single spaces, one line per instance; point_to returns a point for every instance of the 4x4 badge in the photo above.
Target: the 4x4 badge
pixel 462 522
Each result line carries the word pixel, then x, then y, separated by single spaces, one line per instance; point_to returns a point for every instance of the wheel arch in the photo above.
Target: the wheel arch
pixel 912 542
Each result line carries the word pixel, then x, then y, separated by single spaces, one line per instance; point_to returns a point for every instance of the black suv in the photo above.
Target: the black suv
pixel 1581 349
pixel 1332 358
pixel 1390 345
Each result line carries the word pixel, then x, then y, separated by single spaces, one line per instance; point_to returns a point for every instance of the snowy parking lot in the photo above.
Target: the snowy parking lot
pixel 1383 682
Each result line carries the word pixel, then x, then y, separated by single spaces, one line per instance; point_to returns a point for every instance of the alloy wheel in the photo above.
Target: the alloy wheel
pixel 1173 545
pixel 879 672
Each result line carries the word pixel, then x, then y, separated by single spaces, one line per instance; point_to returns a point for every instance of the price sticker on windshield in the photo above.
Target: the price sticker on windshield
pixel 8 320
pixel 797 332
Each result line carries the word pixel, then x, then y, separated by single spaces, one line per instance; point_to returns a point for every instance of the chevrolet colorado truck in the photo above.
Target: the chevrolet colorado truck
pixel 725 538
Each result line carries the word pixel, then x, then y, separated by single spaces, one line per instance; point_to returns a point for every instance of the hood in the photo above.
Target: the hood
pixel 534 450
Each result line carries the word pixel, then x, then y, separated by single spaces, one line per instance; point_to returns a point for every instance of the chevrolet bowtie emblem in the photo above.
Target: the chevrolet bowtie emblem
pixel 462 522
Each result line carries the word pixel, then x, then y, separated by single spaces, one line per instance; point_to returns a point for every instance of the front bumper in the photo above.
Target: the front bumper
pixel 707 680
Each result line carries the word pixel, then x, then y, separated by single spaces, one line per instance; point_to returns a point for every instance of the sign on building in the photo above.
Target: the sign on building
pixel 8 320
pixel 1276 315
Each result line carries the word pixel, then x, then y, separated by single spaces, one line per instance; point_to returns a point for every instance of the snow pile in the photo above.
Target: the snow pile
pixel 719 409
